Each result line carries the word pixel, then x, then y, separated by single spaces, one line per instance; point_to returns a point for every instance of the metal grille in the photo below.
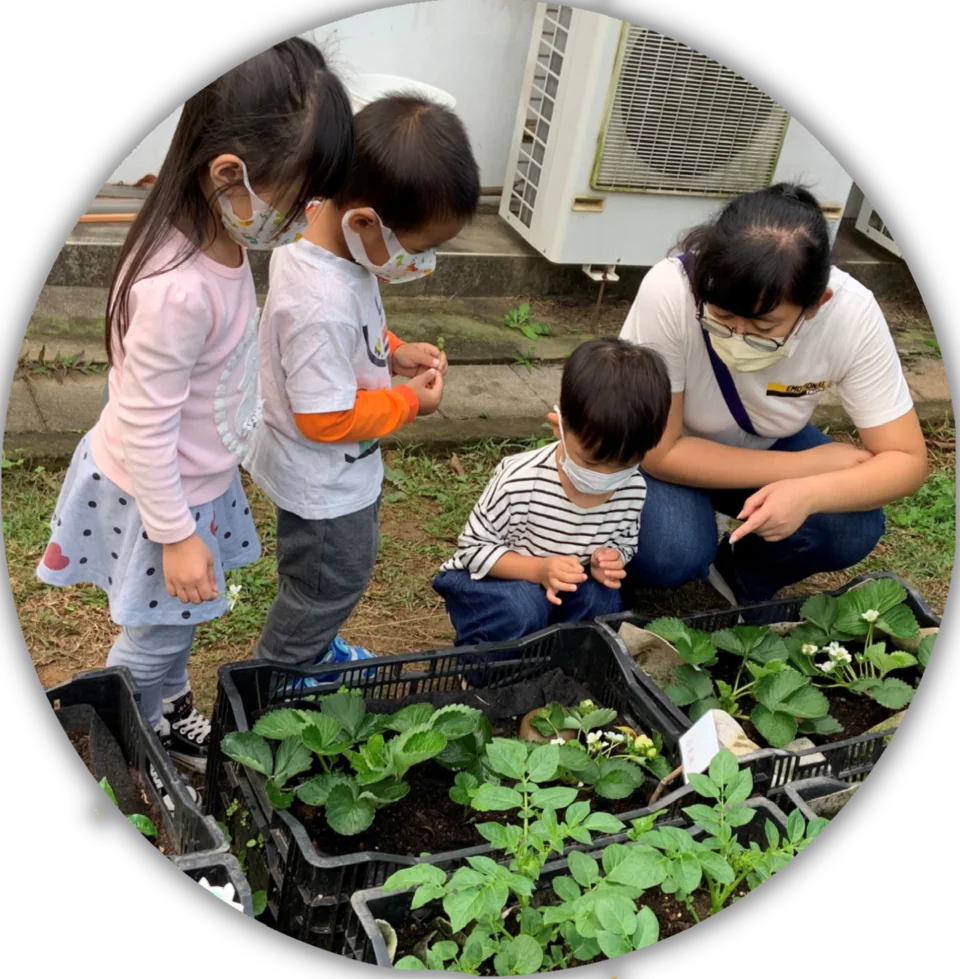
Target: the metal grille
pixel 681 123
pixel 540 108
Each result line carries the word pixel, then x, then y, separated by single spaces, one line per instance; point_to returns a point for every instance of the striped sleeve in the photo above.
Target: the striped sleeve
pixel 483 541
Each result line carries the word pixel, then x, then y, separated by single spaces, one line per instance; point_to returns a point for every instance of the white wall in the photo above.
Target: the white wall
pixel 474 49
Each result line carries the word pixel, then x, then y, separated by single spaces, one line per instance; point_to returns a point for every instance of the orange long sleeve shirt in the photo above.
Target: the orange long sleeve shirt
pixel 375 414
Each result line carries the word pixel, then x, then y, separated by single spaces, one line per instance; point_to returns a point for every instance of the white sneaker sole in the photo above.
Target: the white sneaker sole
pixel 192 762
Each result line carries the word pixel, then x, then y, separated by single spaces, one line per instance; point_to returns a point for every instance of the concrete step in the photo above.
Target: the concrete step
pixel 487 259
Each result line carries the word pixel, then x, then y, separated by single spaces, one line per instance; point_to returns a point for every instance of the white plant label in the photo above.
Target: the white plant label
pixel 699 745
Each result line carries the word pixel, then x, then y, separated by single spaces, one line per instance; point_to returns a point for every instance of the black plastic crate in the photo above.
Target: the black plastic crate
pixel 219 869
pixel 113 697
pixel 364 942
pixel 308 893
pixel 799 795
pixel 850 760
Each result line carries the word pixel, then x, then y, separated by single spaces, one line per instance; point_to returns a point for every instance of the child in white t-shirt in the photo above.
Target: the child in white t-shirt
pixel 328 359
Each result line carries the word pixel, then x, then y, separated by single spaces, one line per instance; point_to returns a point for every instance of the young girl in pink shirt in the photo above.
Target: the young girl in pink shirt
pixel 152 509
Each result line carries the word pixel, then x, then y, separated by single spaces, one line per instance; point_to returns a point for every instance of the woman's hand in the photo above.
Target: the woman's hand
pixel 411 359
pixel 776 511
pixel 188 570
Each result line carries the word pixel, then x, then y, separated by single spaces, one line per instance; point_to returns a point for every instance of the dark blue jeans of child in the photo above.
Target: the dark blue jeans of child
pixel 494 610
pixel 678 537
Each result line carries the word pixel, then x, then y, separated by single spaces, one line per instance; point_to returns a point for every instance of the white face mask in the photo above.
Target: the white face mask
pixel 741 357
pixel 587 480
pixel 400 266
pixel 261 230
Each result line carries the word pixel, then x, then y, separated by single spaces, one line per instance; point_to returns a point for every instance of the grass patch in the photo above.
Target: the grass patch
pixel 427 499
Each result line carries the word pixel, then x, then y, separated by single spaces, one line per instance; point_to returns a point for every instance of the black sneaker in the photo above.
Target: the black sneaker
pixel 188 736
pixel 165 798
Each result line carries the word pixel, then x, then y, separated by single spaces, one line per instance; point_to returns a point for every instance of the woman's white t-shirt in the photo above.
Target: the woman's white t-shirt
pixel 846 348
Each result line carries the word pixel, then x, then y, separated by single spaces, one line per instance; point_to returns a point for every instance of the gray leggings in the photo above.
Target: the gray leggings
pixel 157 657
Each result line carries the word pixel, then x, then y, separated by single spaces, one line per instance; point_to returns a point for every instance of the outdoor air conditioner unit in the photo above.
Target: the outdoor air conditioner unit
pixel 625 137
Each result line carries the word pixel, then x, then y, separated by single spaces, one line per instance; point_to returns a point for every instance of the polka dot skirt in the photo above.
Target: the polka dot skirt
pixel 97 537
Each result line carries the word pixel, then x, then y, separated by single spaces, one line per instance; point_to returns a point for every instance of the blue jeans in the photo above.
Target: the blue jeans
pixel 494 610
pixel 678 537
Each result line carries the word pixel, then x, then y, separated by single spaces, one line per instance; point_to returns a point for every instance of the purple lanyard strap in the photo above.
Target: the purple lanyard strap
pixel 722 373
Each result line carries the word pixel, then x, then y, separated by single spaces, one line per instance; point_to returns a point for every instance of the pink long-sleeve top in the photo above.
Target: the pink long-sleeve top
pixel 183 390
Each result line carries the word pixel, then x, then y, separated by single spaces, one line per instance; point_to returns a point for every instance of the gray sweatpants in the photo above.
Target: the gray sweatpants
pixel 157 657
pixel 324 567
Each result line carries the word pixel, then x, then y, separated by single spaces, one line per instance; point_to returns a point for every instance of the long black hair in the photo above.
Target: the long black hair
pixel 764 248
pixel 282 112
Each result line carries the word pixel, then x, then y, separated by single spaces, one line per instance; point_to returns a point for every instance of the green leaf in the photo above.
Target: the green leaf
pixel 508 757
pixel 772 834
pixel 456 721
pixel 892 693
pixel 598 718
pixel 716 867
pixel 821 611
pixel 278 725
pixel 740 816
pixel 143 823
pixel 723 767
pixel 543 763
pixel 585 870
pixel 323 736
pixel 642 867
pixel 250 750
pixel 613 944
pixel 772 690
pixel 648 929
pixel 698 682
pixel 698 649
pixel 413 715
pixel 385 793
pixel 421 873
pixel 704 786
pixel 614 855
pixel 705 817
pixel 410 962
pixel 553 798
pixel 566 888
pixel 496 798
pixel 796 826
pixel 347 814
pixel 108 788
pixel 739 788
pixel 673 630
pixel 685 869
pixel 293 758
pixel 316 791
pixel 926 648
pixel 776 727
pixel 603 822
pixel 259 901
pixel 520 956
pixel 465 904
pixel 278 798
pixel 445 951
pixel 573 757
pixel 618 779
pixel 820 725
pixel 415 746
pixel 347 709
pixel 615 914
pixel 899 622
pixel 806 702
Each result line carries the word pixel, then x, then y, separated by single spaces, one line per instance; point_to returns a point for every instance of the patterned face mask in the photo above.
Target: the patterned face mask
pixel 262 230
pixel 400 266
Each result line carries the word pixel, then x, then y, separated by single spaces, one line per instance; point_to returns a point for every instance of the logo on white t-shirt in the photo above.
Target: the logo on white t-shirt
pixel 238 386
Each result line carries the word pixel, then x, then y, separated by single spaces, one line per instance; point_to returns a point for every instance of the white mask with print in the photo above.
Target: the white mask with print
pixel 262 230
pixel 586 480
pixel 400 266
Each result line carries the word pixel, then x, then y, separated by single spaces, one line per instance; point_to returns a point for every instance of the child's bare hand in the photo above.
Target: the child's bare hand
pixel 413 359
pixel 561 574
pixel 428 388
pixel 188 570
pixel 606 566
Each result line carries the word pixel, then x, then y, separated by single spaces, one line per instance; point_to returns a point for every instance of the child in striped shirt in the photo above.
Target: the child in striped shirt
pixel 550 536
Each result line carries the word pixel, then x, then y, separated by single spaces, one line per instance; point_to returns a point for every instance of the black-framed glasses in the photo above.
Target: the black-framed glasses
pixel 755 340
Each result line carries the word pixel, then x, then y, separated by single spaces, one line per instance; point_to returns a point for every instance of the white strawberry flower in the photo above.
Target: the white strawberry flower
pixel 808 649
pixel 593 737
pixel 615 738
pixel 557 741
pixel 871 615
pixel 827 666
pixel 233 596
pixel 836 652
